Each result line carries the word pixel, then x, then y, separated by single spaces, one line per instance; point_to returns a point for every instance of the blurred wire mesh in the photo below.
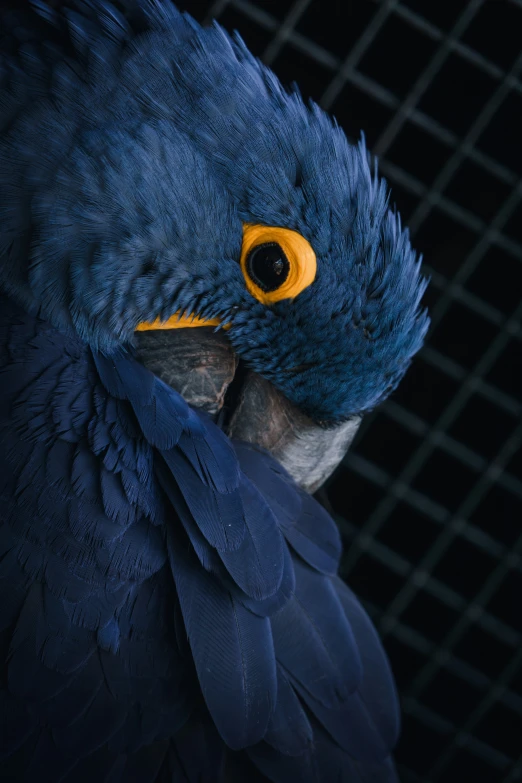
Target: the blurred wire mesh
pixel 429 500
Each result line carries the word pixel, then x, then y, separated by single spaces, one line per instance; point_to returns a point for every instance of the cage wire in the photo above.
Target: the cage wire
pixel 429 499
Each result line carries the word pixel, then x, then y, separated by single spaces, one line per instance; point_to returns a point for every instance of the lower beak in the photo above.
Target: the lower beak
pixel 202 366
pixel 308 452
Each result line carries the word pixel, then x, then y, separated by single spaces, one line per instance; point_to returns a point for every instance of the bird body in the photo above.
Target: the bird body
pixel 170 606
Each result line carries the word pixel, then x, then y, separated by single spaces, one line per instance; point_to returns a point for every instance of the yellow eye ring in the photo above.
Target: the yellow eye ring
pixel 277 263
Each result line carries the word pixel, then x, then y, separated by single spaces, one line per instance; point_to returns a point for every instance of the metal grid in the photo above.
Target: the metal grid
pixel 431 515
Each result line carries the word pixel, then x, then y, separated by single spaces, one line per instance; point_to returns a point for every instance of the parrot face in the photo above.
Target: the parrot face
pixel 201 189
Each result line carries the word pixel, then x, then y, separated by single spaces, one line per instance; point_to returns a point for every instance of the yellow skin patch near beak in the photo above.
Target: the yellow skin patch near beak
pixel 175 322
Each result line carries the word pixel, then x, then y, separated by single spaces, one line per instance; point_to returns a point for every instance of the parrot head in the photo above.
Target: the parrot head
pixel 168 181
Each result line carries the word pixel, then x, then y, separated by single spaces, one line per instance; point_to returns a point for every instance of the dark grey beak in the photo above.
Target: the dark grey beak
pixel 201 365
pixel 198 362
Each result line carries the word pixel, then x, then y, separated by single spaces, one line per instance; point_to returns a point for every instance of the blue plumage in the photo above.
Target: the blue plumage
pixel 169 596
pixel 233 652
pixel 97 648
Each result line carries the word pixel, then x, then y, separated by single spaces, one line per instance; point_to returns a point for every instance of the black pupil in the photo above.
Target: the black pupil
pixel 268 266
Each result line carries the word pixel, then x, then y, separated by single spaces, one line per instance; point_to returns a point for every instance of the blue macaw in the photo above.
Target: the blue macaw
pixel 170 608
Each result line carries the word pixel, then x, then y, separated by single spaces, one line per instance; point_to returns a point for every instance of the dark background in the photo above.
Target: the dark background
pixel 429 499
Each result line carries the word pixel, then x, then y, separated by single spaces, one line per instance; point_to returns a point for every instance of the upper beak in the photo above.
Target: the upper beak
pixel 201 365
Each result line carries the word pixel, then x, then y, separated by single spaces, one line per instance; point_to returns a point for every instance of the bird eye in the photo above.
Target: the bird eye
pixel 268 266
pixel 277 263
